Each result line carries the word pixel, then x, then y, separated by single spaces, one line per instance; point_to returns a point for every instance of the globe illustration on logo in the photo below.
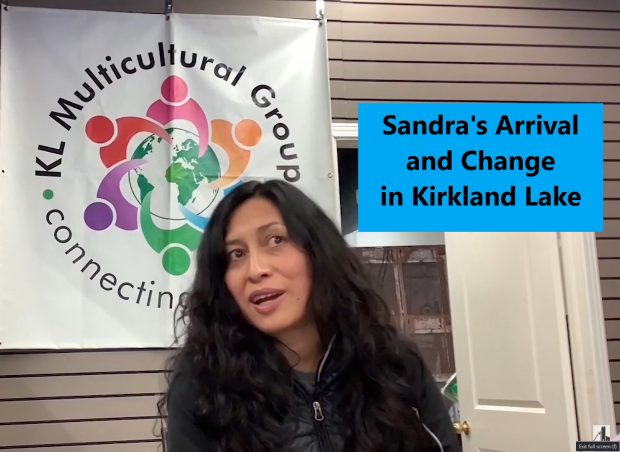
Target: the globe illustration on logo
pixel 175 172
pixel 182 166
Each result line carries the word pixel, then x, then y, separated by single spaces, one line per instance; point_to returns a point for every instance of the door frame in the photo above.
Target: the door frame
pixel 586 332
pixel 584 313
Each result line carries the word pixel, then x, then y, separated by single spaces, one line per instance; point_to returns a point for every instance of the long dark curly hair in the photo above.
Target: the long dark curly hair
pixel 248 391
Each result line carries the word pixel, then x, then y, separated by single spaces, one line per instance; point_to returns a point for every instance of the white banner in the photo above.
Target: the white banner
pixel 119 134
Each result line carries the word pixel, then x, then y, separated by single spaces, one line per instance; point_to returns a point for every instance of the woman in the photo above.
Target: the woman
pixel 288 347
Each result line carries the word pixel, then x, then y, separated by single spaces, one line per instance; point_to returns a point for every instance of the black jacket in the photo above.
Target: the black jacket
pixel 317 426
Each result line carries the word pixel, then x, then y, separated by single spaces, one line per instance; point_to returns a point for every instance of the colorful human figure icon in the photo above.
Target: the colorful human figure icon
pixel 236 142
pixel 99 215
pixel 176 105
pixel 175 245
pixel 100 130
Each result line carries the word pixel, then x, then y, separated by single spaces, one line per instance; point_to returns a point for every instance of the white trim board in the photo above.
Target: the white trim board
pixel 586 328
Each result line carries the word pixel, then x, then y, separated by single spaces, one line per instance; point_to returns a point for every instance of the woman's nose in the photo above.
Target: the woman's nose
pixel 259 265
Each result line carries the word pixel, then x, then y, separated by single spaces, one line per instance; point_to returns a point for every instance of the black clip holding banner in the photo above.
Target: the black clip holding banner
pixel 168 9
pixel 5 4
pixel 320 12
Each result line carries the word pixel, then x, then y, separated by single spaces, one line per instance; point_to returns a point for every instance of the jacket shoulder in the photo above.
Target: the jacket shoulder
pixel 430 406
pixel 184 432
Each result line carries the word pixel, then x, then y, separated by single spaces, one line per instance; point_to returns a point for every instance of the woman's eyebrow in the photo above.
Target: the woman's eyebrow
pixel 233 242
pixel 268 225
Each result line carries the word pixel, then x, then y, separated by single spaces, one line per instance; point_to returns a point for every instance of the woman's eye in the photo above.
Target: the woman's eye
pixel 276 240
pixel 235 255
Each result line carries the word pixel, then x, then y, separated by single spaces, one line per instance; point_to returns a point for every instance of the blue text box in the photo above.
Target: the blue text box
pixel 480 167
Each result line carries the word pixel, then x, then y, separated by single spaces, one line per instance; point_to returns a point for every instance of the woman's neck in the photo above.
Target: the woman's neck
pixel 302 348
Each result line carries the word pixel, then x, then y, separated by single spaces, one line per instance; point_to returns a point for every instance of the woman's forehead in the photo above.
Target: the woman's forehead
pixel 254 215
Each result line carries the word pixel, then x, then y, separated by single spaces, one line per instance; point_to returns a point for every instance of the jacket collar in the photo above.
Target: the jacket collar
pixel 332 364
pixel 326 358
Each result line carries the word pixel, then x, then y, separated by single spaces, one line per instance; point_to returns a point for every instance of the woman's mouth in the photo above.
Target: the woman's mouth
pixel 266 301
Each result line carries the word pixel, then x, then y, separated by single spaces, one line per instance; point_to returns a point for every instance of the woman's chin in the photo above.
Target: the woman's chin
pixel 277 326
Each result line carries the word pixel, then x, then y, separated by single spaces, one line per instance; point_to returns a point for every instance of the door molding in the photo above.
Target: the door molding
pixel 345 133
pixel 586 325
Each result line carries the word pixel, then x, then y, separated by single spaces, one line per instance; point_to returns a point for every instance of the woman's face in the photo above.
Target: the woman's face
pixel 268 275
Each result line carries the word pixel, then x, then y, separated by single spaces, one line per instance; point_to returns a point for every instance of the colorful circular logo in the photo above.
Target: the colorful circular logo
pixel 166 184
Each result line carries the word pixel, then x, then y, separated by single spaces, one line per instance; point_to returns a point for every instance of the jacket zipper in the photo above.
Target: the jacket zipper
pixel 318 412
pixel 317 420
pixel 324 442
